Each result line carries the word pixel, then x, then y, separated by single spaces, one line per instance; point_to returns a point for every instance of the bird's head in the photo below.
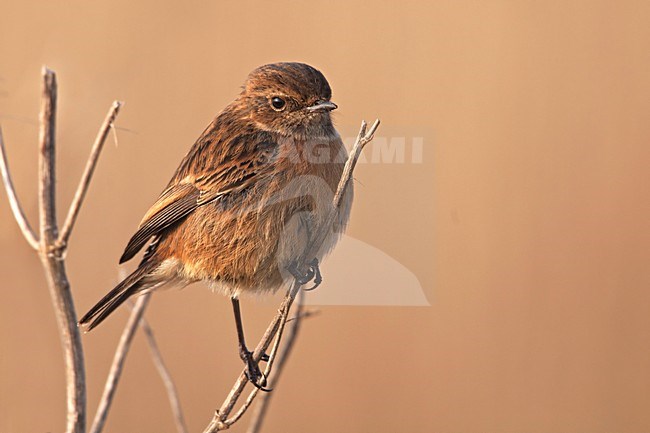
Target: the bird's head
pixel 291 99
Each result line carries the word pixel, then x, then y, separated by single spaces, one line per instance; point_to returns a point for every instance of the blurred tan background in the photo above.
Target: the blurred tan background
pixel 527 223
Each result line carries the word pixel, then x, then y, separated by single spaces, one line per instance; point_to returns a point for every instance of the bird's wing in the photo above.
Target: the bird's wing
pixel 174 204
pixel 182 198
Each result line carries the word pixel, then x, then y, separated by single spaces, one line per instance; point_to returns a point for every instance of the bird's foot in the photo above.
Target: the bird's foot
pixel 253 372
pixel 312 274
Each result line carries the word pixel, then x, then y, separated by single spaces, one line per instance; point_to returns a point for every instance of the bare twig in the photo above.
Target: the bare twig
pixel 52 258
pixel 261 408
pixel 16 208
pixel 362 139
pixel 118 362
pixel 156 355
pixel 267 371
pixel 166 377
pixel 220 421
pixel 84 183
pixel 47 160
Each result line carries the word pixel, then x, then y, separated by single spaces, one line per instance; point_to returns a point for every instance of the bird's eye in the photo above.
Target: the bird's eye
pixel 278 103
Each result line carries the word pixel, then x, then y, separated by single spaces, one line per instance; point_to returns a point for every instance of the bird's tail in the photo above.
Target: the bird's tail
pixel 131 285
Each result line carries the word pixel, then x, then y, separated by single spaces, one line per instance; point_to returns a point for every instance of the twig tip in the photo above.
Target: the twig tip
pixel 45 71
pixel 362 130
pixel 373 128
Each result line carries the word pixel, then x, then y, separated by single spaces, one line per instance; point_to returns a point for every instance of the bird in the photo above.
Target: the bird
pixel 246 201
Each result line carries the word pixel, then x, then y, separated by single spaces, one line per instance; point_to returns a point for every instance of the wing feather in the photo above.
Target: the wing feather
pixel 174 204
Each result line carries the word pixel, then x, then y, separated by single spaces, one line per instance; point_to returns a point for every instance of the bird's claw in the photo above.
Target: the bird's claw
pixel 317 276
pixel 253 372
pixel 312 274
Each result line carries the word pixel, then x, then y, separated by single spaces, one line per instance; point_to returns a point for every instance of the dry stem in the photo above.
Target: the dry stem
pixel 136 319
pixel 84 183
pixel 16 208
pixel 264 400
pixel 54 265
pixel 166 377
pixel 118 363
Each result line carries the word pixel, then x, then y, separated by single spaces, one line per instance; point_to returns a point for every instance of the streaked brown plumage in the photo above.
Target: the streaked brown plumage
pixel 245 200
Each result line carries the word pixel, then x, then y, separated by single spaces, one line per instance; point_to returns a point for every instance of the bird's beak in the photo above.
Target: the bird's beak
pixel 322 106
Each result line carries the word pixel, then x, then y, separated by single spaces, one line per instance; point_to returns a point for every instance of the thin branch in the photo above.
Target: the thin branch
pixel 164 373
pixel 259 413
pixel 166 377
pixel 220 421
pixel 52 258
pixel 118 362
pixel 84 183
pixel 267 371
pixel 17 210
pixel 46 160
pixel 362 139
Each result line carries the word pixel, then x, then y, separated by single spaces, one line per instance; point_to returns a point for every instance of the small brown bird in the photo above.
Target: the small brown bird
pixel 247 199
